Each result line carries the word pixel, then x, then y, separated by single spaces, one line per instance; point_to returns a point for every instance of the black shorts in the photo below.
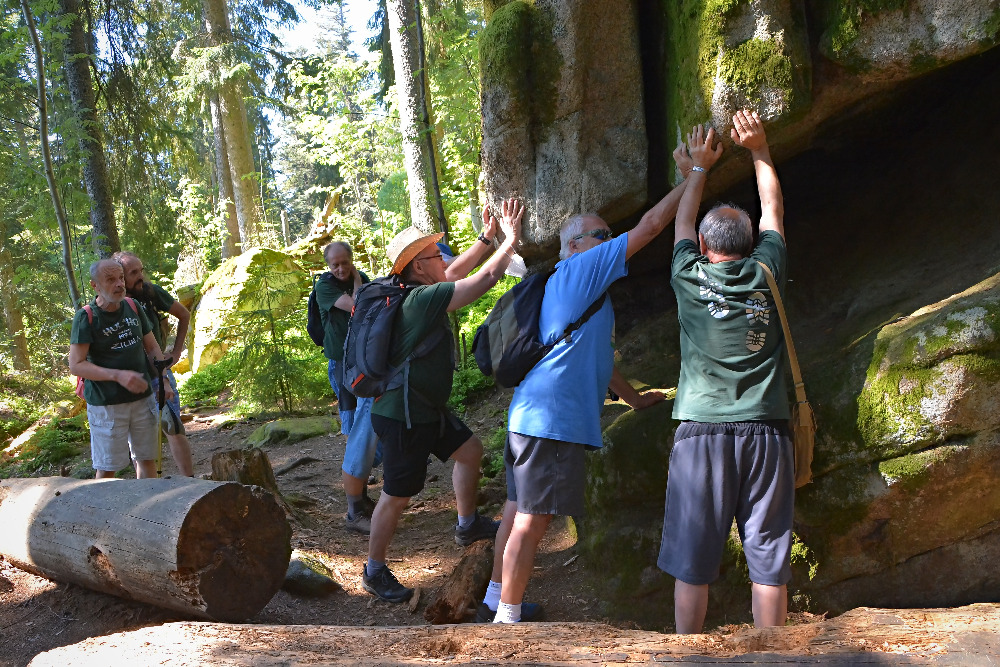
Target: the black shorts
pixel 405 451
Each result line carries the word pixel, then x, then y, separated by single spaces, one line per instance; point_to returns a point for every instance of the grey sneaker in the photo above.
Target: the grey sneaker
pixel 481 529
pixel 359 524
pixel 383 584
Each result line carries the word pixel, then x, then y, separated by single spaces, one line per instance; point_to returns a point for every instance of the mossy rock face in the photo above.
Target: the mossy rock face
pixel 259 279
pixel 563 120
pixel 289 431
pixel 879 37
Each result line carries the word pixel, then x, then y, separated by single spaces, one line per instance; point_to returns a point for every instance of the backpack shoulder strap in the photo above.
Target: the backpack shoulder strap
pixel 90 314
pixel 793 359
pixel 587 314
pixel 131 302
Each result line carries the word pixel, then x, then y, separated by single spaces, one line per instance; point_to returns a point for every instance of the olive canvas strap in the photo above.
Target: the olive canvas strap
pixel 793 360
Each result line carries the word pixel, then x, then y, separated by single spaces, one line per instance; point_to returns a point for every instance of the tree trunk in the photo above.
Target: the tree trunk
pixel 406 35
pixel 232 241
pixel 216 551
pixel 963 636
pixel 11 307
pixel 95 169
pixel 465 586
pixel 233 115
pixel 43 135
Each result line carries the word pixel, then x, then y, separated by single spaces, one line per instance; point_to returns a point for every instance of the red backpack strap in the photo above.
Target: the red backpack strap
pixel 90 314
pixel 132 303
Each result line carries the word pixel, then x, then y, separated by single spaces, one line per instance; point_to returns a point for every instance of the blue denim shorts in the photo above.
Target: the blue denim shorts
pixel 363 450
pixel 346 416
pixel 172 404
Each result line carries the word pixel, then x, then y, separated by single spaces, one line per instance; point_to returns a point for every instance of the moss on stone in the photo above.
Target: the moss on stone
pixel 518 52
pixel 843 27
pixel 991 28
pixel 756 65
pixel 912 470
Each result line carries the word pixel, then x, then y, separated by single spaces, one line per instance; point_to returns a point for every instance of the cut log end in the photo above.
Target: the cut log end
pixel 221 529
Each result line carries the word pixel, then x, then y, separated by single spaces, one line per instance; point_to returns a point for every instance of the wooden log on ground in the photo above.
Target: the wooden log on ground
pixel 464 587
pixel 216 551
pixel 963 636
pixel 246 466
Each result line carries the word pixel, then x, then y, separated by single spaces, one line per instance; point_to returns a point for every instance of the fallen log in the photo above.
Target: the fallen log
pixel 216 551
pixel 963 636
pixel 464 587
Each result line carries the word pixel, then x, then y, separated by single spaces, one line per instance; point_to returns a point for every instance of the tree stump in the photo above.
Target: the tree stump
pixel 465 585
pixel 246 466
pixel 216 551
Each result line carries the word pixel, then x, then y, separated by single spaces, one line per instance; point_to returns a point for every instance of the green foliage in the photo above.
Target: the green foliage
pixel 755 65
pixel 467 383
pixel 48 447
pixel 205 386
pixel 277 365
pixel 493 447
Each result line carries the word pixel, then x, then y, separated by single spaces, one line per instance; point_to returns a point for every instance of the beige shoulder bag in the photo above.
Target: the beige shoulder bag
pixel 803 420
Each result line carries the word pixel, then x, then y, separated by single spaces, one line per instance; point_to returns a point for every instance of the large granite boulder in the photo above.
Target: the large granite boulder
pixel 563 117
pixel 583 102
pixel 257 281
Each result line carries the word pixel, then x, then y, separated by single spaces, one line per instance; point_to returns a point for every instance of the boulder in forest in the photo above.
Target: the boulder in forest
pixel 563 118
pixel 245 286
pixel 290 431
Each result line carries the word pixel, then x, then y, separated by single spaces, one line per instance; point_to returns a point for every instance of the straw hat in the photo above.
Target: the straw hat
pixel 407 244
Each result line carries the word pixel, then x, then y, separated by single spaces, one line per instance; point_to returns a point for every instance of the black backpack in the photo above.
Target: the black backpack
pixel 368 345
pixel 314 318
pixel 507 344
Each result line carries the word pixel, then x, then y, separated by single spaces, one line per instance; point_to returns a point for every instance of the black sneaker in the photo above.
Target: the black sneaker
pixel 481 529
pixel 383 584
pixel 529 612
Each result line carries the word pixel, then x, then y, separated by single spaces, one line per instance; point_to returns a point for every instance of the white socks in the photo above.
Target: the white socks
pixel 508 613
pixel 492 598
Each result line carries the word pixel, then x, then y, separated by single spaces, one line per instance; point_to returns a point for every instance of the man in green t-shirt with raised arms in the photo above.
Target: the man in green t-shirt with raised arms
pixel 156 302
pixel 108 350
pixel 432 429
pixel 732 455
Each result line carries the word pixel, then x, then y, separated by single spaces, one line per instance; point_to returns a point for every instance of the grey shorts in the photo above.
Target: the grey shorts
pixel 545 476
pixel 122 432
pixel 718 472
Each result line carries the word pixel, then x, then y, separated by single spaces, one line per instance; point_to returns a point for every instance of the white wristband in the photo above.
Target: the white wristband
pixel 701 169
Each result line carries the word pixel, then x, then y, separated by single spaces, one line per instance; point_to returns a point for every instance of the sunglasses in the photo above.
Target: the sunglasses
pixel 599 234
pixel 420 259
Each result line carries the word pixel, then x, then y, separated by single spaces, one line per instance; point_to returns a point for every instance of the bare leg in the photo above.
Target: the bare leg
pixel 769 604
pixel 385 518
pixel 690 607
pixel 353 486
pixel 105 474
pixel 503 534
pixel 145 469
pixel 519 554
pixel 465 475
pixel 180 450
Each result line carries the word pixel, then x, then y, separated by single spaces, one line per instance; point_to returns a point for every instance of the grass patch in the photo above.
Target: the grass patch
pixel 52 445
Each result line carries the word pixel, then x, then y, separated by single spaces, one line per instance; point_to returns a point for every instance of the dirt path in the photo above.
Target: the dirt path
pixel 37 615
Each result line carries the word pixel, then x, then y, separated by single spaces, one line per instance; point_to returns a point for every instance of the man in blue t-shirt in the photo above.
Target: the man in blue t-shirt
pixel 555 412
pixel 732 455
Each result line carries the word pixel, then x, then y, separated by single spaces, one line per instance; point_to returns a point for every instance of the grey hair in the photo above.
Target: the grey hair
pixel 570 228
pixel 342 244
pixel 95 267
pixel 123 255
pixel 726 233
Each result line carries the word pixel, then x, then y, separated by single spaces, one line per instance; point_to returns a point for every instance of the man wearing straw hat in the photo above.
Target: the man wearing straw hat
pixel 732 455
pixel 417 261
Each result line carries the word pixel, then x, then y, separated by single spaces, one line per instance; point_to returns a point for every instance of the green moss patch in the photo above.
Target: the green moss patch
pixel 912 470
pixel 842 27
pixel 517 52
pixel 756 65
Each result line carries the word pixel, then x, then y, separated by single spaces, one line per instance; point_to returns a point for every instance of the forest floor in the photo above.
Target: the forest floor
pixel 37 614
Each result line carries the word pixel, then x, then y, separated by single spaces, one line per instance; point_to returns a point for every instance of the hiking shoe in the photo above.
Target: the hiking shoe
pixel 529 612
pixel 481 529
pixel 383 584
pixel 359 524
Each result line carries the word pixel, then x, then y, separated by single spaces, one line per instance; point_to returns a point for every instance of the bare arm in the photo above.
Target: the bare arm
pixel 183 321
pixel 469 289
pixel 473 256
pixel 703 156
pixel 748 132
pixel 346 301
pixel 657 218
pixel 635 400
pixel 78 365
